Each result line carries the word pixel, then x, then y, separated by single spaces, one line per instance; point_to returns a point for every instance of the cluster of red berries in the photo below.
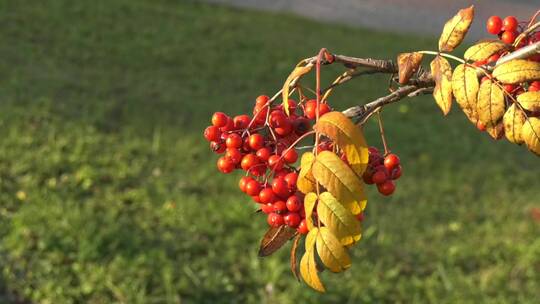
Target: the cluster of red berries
pixel 383 171
pixel 263 146
pixel 508 29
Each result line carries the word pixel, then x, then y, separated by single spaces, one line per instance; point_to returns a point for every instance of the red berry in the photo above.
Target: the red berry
pixel 396 172
pixel 290 156
pixel 225 165
pixel 293 203
pixel 292 219
pixel 234 141
pixel 212 133
pixel 380 176
pixel 262 100
pixel 256 199
pixel 263 154
pixel 256 141
pixel 253 188
pixel 373 150
pixel 267 208
pixel 291 179
pixel 217 147
pixel 243 182
pixel 280 207
pixel 509 88
pixel 301 126
pixel 220 119
pixel 386 188
pixel 234 155
pixel 493 58
pixel 368 177
pixel 360 216
pixel 275 162
pixel 241 121
pixel 391 161
pixel 310 109
pixel 302 227
pixel 510 24
pixel 480 126
pixel 494 25
pixel 275 220
pixel 248 161
pixel 259 113
pixel 267 195
pixel 280 187
pixel 509 36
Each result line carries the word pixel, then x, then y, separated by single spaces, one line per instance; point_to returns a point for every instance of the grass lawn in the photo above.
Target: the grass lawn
pixel 109 193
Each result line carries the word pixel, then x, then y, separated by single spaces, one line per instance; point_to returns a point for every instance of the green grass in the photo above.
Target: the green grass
pixel 108 193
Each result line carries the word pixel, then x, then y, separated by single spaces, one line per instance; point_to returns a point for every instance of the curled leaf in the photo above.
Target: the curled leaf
pixel 484 49
pixel 442 73
pixel 517 71
pixel 408 63
pixel 348 136
pixel 491 105
pixel 513 121
pixel 338 219
pixel 455 29
pixel 465 87
pixel 530 101
pixel 309 204
pixel 274 239
pixel 496 131
pixel 339 179
pixel 306 181
pixel 308 270
pixel 298 72
pixel 333 255
pixel 294 260
pixel 531 134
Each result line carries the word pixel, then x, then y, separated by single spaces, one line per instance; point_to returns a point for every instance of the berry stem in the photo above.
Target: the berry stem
pixel 381 129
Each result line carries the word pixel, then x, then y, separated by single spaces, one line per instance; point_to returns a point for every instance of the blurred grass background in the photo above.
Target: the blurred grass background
pixel 109 193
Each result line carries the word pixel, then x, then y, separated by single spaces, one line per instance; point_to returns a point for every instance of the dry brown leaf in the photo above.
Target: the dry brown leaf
pixel 274 239
pixel 517 71
pixel 294 260
pixel 455 29
pixel 442 73
pixel 490 104
pixel 408 63
pixel 496 132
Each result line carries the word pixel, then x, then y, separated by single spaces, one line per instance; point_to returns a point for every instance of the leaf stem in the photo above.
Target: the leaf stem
pixel 381 129
pixel 443 55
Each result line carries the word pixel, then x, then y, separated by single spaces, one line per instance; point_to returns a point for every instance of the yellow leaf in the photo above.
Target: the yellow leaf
pixel 306 181
pixel 408 63
pixel 442 73
pixel 348 136
pixel 338 219
pixel 517 71
pixel 530 101
pixel 311 238
pixel 465 87
pixel 496 131
pixel 339 179
pixel 455 29
pixel 531 134
pixel 309 204
pixel 333 255
pixel 298 72
pixel 484 49
pixel 513 120
pixel 491 105
pixel 308 270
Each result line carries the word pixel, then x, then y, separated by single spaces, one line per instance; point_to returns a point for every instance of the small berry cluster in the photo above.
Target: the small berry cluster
pixel 264 147
pixel 383 171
